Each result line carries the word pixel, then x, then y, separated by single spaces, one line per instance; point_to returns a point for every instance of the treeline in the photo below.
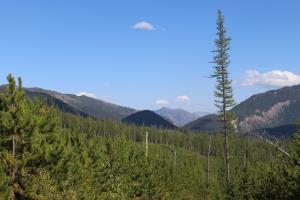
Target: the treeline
pixel 47 154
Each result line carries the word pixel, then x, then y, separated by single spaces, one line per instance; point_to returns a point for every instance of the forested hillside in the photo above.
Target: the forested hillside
pixel 83 105
pixel 149 118
pixel 48 154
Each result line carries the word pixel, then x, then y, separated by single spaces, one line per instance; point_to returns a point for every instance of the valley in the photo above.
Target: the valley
pixel 149 100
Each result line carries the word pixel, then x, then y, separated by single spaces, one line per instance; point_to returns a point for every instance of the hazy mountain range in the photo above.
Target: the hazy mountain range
pixel 274 112
pixel 87 106
pixel 178 116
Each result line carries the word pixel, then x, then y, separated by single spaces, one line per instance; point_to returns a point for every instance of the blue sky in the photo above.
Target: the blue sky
pixel 90 46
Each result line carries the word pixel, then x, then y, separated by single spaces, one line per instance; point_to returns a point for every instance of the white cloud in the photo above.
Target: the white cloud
pixel 274 78
pixel 162 102
pixel 144 26
pixel 183 98
pixel 88 94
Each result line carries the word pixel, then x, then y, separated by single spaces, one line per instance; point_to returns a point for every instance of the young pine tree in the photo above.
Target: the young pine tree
pixel 28 143
pixel 223 93
pixel 14 122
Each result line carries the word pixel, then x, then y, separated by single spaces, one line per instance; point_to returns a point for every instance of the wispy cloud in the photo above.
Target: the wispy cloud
pixel 88 94
pixel 144 26
pixel 183 98
pixel 162 102
pixel 274 78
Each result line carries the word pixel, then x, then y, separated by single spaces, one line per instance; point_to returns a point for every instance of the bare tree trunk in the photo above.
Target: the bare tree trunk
pixel 227 159
pixel 147 144
pixel 13 145
pixel 226 143
pixel 175 158
pixel 13 174
pixel 271 143
pixel 277 147
pixel 245 158
pixel 208 159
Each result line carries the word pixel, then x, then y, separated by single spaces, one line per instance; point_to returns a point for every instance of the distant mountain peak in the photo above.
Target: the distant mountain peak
pixel 178 116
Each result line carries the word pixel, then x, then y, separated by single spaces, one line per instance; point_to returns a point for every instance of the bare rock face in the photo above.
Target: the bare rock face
pixel 264 119
pixel 234 124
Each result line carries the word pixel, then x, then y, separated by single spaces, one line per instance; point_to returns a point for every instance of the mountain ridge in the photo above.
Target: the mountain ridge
pixel 83 105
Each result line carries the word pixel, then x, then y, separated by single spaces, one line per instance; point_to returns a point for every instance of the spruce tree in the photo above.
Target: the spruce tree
pixel 223 93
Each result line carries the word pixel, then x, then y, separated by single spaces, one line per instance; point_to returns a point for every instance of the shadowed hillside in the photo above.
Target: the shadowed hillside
pixel 82 105
pixel 148 118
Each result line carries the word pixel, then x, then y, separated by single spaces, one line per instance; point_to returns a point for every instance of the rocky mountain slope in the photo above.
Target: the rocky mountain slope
pixel 262 112
pixel 270 109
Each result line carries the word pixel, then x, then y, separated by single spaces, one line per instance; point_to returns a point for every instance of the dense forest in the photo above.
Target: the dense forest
pixel 48 154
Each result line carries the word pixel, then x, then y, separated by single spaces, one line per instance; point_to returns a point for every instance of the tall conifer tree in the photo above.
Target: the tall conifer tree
pixel 223 93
